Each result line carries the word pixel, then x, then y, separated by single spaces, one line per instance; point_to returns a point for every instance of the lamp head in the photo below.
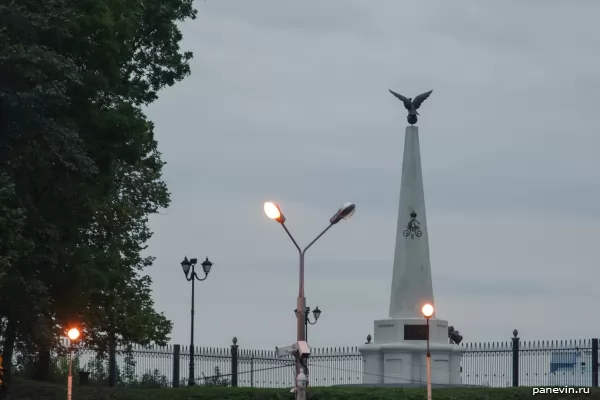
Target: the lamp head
pixel 427 310
pixel 345 212
pixel 185 265
pixel 206 266
pixel 73 334
pixel 316 313
pixel 274 212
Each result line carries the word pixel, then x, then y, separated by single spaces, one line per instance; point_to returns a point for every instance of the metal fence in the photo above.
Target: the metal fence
pixel 510 363
pixel 531 363
pixel 327 367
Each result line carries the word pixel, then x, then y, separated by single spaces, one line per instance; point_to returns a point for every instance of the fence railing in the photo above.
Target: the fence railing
pixel 510 363
pixel 531 363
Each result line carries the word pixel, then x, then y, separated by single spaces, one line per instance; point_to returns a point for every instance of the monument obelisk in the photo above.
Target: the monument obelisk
pixel 397 354
pixel 411 277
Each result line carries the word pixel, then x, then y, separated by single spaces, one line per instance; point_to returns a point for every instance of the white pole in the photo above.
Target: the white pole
pixel 301 383
pixel 301 328
pixel 428 365
pixel 70 378
pixel 428 377
pixel 300 393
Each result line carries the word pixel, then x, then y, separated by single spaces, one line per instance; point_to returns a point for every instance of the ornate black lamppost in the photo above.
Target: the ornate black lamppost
pixel 316 314
pixel 188 265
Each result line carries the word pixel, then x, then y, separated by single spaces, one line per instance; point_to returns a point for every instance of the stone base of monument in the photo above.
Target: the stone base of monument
pixel 398 353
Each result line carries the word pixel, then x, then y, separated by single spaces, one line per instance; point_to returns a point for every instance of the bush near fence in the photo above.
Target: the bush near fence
pixel 29 390
pixel 95 365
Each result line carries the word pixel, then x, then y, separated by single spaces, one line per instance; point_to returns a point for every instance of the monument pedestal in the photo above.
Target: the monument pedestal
pixel 393 360
pixel 398 352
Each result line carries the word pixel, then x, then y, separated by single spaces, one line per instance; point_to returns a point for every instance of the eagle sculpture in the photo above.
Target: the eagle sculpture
pixel 412 105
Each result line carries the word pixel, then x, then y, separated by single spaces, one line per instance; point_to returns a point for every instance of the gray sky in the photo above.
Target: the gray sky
pixel 288 101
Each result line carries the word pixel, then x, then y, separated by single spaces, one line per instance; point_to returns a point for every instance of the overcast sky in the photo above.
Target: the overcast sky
pixel 288 101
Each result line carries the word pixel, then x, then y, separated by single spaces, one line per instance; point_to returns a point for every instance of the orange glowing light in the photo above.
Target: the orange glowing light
pixel 427 310
pixel 73 334
pixel 272 210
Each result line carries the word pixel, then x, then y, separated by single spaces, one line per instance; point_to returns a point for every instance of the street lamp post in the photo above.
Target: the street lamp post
pixel 73 335
pixel 274 212
pixel 192 276
pixel 427 311
pixel 307 321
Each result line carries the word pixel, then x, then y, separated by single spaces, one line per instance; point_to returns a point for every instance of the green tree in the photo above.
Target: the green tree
pixel 12 221
pixel 120 306
pixel 84 163
pixel 39 150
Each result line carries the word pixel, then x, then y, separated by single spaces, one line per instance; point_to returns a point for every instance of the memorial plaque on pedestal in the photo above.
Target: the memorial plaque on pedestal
pixel 415 332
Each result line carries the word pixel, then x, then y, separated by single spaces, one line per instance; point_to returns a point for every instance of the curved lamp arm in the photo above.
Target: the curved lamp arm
pixel 193 275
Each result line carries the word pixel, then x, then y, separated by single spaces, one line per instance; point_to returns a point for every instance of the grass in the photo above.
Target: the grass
pixel 28 390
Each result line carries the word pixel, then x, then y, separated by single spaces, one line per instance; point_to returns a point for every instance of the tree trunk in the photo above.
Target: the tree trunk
pixel 10 336
pixel 112 362
pixel 42 372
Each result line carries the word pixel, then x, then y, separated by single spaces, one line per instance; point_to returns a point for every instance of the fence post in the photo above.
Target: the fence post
pixel 515 358
pixel 252 370
pixel 234 363
pixel 112 364
pixel 595 362
pixel 176 352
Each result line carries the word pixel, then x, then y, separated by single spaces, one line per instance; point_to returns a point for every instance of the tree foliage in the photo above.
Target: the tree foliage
pixel 80 171
pixel 12 243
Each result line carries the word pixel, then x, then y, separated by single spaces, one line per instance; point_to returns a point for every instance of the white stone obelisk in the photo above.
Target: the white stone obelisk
pixel 396 356
pixel 411 277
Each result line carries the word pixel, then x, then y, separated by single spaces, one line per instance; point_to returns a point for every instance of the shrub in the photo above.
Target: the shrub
pixel 216 380
pixel 24 367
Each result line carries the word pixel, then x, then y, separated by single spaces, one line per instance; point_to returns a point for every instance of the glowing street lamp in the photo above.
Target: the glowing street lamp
pixel 273 211
pixel 428 311
pixel 73 334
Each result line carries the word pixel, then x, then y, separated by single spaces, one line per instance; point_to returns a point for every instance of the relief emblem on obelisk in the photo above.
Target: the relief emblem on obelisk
pixel 413 228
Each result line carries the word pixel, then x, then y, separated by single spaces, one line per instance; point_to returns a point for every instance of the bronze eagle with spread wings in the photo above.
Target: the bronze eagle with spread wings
pixel 412 105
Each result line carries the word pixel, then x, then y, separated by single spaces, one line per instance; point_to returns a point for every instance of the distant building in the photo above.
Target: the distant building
pixel 572 367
